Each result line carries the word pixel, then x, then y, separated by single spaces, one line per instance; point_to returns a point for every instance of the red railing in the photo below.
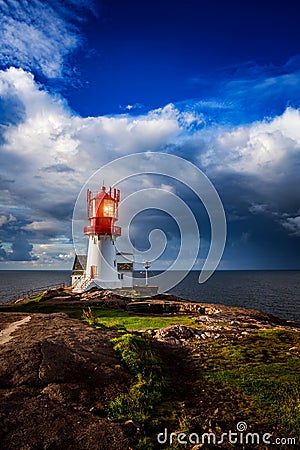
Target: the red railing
pixel 102 229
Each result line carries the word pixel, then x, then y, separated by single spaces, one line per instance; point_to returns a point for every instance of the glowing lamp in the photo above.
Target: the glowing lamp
pixel 103 212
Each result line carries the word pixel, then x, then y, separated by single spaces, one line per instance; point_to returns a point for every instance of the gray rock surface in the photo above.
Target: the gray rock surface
pixel 56 375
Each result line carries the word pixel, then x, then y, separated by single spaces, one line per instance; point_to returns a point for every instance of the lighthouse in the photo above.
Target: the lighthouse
pixel 101 264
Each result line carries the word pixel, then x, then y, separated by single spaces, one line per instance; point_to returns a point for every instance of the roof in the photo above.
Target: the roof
pixel 79 264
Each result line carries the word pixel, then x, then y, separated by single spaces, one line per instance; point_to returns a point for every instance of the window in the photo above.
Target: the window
pixel 108 208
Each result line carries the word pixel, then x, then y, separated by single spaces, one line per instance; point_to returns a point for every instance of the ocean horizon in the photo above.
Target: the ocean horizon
pixel 274 292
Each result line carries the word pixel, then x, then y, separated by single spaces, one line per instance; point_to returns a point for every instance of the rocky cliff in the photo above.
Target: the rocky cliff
pixel 59 374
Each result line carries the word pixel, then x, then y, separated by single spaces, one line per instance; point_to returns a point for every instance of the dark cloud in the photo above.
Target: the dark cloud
pixel 255 209
pixel 21 250
pixel 3 254
pixel 148 220
pixel 58 168
pixel 255 168
pixel 59 210
pixel 5 183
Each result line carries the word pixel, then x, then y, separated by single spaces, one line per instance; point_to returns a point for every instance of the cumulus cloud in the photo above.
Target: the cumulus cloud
pixel 257 208
pixel 46 229
pixel 58 168
pixel 131 107
pixel 5 219
pixel 264 159
pixel 3 254
pixel 39 36
pixel 292 224
pixel 260 148
pixel 56 255
pixel 49 152
pixel 21 250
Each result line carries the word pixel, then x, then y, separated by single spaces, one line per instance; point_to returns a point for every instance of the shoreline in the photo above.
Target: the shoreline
pixel 158 304
pixel 268 291
pixel 98 371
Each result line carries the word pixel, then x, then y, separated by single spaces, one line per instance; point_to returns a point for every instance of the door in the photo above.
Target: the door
pixel 93 272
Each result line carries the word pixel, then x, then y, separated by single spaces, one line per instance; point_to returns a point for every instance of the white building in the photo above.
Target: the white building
pixel 125 269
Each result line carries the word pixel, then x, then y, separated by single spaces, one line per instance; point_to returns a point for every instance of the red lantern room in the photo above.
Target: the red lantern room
pixel 103 212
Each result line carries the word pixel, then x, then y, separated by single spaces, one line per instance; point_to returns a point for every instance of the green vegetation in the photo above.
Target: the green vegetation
pixel 138 403
pixel 100 317
pixel 254 378
pixel 122 320
pixel 35 298
pixel 129 292
pixel 36 306
pixel 262 376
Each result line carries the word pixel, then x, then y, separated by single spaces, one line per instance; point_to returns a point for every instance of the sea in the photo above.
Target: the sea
pixel 272 292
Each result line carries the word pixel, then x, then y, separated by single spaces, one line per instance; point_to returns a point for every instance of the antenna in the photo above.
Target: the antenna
pixel 147 265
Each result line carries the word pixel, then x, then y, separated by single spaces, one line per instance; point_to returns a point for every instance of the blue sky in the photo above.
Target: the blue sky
pixel 83 83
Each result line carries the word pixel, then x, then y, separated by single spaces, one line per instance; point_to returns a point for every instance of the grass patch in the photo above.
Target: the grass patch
pixel 44 308
pixel 119 319
pixel 264 370
pixel 255 379
pixel 35 298
pixel 141 399
pixel 100 317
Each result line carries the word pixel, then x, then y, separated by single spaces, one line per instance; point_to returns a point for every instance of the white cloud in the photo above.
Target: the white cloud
pixel 48 153
pixel 264 157
pixel 53 255
pixel 292 224
pixel 46 228
pixel 3 220
pixel 167 187
pixel 258 208
pixel 39 36
pixel 66 256
pixel 260 148
pixel 6 219
pixel 130 107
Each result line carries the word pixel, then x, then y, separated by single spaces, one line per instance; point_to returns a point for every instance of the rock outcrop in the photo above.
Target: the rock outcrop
pixel 56 375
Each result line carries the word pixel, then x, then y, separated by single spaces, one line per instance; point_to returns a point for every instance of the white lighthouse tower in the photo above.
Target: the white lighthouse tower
pixel 101 264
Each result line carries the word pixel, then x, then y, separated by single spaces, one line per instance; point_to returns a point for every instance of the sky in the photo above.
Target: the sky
pixel 217 83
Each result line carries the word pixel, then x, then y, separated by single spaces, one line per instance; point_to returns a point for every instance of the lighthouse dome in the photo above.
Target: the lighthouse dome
pixel 103 212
